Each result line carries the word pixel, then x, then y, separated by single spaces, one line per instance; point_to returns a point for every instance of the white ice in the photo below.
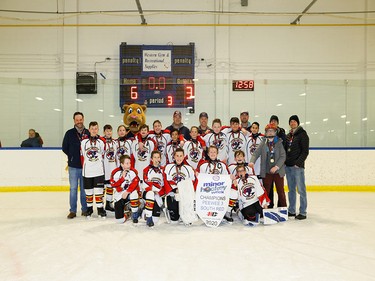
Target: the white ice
pixel 38 242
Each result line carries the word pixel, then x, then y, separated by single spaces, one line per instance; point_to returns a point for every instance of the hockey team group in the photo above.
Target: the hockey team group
pixel 139 175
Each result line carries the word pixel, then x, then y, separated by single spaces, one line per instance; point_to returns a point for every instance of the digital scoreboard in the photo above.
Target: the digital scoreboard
pixel 243 85
pixel 158 76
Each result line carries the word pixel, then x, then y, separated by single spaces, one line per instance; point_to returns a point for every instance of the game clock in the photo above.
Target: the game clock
pixel 243 85
pixel 158 76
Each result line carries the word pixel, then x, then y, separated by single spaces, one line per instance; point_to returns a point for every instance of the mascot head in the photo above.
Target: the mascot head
pixel 134 116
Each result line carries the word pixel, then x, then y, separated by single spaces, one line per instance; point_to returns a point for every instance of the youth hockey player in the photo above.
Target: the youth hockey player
pixel 142 155
pixel 272 168
pixel 252 198
pixel 254 139
pixel 193 148
pixel 161 138
pixel 110 163
pixel 240 159
pixel 236 139
pixel 92 152
pixel 153 182
pixel 174 173
pixel 218 139
pixel 173 145
pixel 125 181
pixel 124 145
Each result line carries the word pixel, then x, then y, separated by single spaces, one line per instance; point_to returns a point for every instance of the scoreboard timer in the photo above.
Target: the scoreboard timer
pixel 158 76
pixel 243 85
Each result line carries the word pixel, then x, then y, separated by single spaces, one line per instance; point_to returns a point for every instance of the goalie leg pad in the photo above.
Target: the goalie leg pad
pixel 173 208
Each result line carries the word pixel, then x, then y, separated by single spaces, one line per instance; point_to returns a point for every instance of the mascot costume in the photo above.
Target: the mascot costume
pixel 134 117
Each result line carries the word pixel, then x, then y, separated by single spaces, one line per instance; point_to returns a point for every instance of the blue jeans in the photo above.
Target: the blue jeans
pixel 296 178
pixel 75 178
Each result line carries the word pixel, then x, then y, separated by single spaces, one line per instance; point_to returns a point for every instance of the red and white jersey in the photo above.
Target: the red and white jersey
pixel 193 151
pixel 251 191
pixel 216 167
pixel 174 173
pixel 153 179
pixel 124 147
pixel 251 145
pixel 161 141
pixel 92 153
pixel 233 171
pixel 220 141
pixel 120 183
pixel 110 157
pixel 142 157
pixel 171 147
pixel 236 141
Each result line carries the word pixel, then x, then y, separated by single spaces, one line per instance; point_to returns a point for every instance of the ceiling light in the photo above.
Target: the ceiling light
pixel 57 109
pixel 38 98
pixel 343 116
pixel 79 100
pixel 347 122
pixel 364 119
pixel 100 110
pixel 302 95
pixel 279 104
pixel 325 119
pixel 308 122
pixel 111 116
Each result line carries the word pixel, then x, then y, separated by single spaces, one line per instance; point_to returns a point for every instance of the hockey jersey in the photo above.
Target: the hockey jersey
pixel 220 141
pixel 92 153
pixel 110 157
pixel 153 179
pixel 250 191
pixel 142 157
pixel 124 147
pixel 174 173
pixel 251 145
pixel 193 150
pixel 236 141
pixel 171 147
pixel 120 183
pixel 161 141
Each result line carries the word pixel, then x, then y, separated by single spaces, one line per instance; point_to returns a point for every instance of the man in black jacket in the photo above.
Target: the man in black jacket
pixel 297 149
pixel 71 146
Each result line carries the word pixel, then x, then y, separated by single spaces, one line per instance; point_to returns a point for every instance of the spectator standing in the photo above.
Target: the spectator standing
pixel 203 128
pixel 177 124
pixel 297 150
pixel 71 147
pixel 245 123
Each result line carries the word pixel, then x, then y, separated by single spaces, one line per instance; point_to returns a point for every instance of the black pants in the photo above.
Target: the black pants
pixel 249 213
pixel 120 206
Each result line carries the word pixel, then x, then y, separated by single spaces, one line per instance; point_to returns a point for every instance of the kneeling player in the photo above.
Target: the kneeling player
pixel 153 181
pixel 125 181
pixel 174 173
pixel 251 196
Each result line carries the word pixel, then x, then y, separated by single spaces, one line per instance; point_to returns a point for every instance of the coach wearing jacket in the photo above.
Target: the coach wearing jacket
pixel 297 149
pixel 71 146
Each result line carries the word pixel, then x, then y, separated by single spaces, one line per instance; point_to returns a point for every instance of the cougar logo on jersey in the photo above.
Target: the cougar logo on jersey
pixel 122 150
pixel 161 146
pixel 110 155
pixel 142 154
pixel 248 191
pixel 194 154
pixel 219 143
pixel 92 154
pixel 178 177
pixel 236 143
pixel 253 148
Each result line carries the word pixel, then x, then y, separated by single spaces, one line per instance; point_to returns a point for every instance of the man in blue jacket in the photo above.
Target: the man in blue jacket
pixel 71 147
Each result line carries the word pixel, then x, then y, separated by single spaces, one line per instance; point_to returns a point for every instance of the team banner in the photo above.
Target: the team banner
pixel 212 198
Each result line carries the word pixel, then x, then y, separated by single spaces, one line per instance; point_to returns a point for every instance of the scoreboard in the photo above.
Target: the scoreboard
pixel 159 76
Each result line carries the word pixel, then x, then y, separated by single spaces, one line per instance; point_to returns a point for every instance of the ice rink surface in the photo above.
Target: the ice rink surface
pixel 38 242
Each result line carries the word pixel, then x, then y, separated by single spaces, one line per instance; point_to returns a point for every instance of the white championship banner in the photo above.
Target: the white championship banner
pixel 212 198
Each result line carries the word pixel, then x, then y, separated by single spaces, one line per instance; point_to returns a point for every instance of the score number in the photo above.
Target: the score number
pixel 243 85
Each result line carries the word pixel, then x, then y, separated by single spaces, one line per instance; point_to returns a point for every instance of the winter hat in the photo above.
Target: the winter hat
pixel 274 117
pixel 295 118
